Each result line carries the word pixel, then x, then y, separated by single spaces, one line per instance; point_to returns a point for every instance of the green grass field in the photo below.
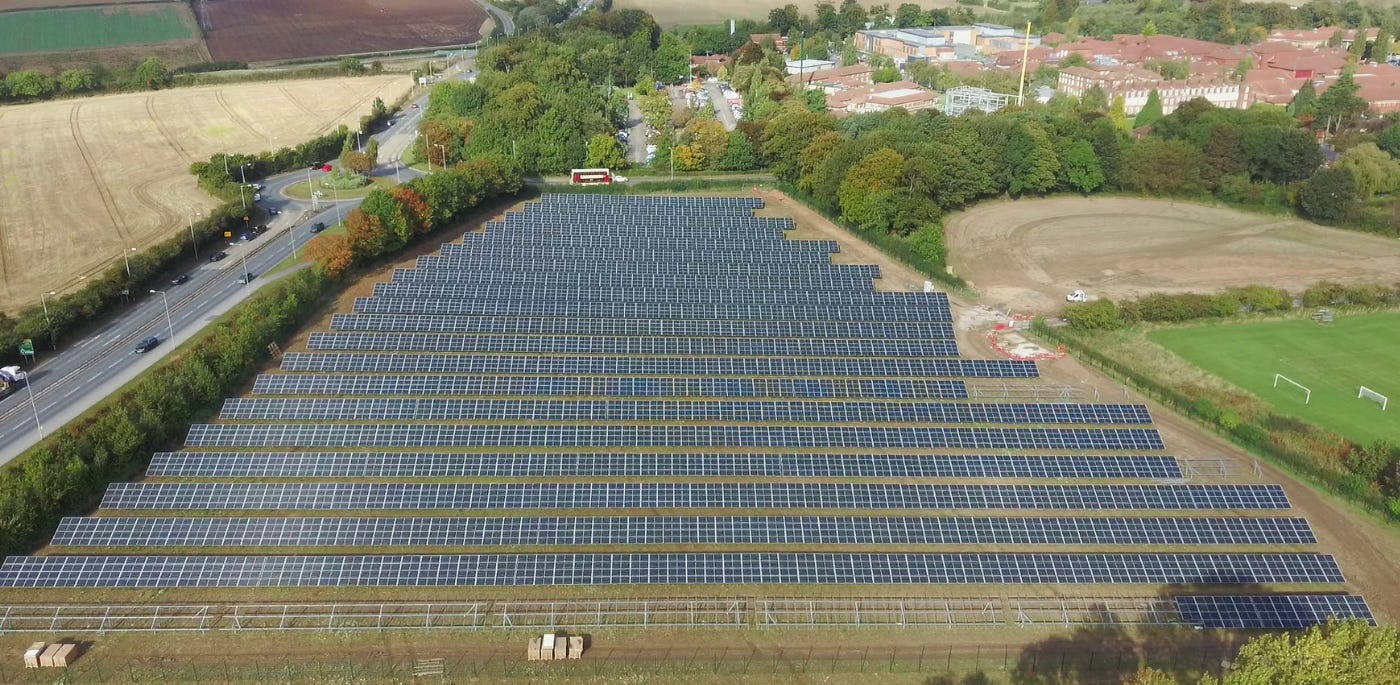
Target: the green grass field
pixel 81 28
pixel 1333 360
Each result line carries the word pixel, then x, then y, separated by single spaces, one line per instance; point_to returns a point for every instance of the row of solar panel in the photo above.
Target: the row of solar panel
pixel 737 346
pixel 739 568
pixel 827 412
pixel 838 280
pixel 567 435
pixel 564 256
pixel 392 496
pixel 687 202
pixel 594 464
pixel 675 530
pixel 712 269
pixel 685 328
pixel 784 367
pixel 647 310
pixel 607 293
pixel 566 230
pixel 462 385
pixel 1270 611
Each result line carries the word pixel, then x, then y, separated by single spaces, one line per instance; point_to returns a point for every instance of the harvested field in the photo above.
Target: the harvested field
pixel 1026 255
pixel 261 30
pixel 674 12
pixel 84 28
pixel 84 179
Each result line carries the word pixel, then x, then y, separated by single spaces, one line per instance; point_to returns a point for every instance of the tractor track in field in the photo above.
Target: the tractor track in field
pixel 103 191
pixel 293 98
pixel 165 131
pixel 235 116
pixel 345 113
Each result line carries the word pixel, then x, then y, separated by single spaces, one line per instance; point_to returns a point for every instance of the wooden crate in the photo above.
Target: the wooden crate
pixel 46 657
pixel 66 655
pixel 534 652
pixel 575 646
pixel 31 655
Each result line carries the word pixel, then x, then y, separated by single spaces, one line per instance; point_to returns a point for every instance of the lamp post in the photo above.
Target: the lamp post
pixel 194 243
pixel 43 300
pixel 335 197
pixel 128 262
pixel 244 257
pixel 168 321
pixel 292 236
pixel 427 151
pixel 444 154
pixel 35 406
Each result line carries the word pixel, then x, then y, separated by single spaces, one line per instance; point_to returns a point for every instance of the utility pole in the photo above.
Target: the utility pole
pixel 1025 55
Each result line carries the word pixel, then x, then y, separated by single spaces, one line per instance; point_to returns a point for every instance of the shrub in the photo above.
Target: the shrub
pixel 1097 315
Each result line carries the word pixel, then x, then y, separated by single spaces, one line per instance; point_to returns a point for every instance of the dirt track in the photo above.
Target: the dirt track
pixel 1025 255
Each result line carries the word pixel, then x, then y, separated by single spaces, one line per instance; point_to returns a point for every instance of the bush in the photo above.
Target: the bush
pixel 205 67
pixel 1099 315
pixel 928 243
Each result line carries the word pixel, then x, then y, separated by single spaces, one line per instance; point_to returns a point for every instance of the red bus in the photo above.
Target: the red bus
pixel 589 177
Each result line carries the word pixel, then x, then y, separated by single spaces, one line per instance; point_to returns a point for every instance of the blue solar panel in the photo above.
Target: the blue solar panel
pixel 1270 611
pixel 633 386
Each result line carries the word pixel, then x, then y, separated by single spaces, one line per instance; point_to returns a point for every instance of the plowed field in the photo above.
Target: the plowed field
pixel 261 30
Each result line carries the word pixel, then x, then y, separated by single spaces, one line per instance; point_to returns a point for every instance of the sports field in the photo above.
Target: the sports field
pixel 1333 360
pixel 82 28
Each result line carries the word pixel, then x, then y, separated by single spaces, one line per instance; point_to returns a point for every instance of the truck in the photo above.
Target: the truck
pixel 12 379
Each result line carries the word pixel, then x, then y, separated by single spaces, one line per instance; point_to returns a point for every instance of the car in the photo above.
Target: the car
pixel 1077 296
pixel 217 256
pixel 147 345
pixel 273 211
pixel 246 237
pixel 317 166
pixel 180 280
pixel 257 196
pixel 413 106
pixel 246 278
pixel 326 168
pixel 255 186
pixel 318 227
pixel 619 179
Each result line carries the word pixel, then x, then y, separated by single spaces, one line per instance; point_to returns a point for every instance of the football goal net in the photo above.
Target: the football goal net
pixel 1369 394
pixel 1307 393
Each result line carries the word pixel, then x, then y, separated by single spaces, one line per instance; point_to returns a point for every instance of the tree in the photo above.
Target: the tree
pixel 351 65
pixel 1150 676
pixel 1151 111
pixel 656 109
pixel 331 253
pixel 357 162
pixel 1082 167
pixel 1328 196
pixel 1101 315
pixel 372 151
pixel 1222 156
pixel 828 18
pixel 1094 100
pixel 853 17
pixel 1389 140
pixel 605 151
pixel 1340 105
pixel 1280 156
pixel 689 157
pixel 1029 161
pixel 850 56
pixel 908 14
pixel 1372 168
pixel 1337 37
pixel 415 208
pixel 1304 102
pixel 885 75
pixel 784 19
pixel 741 155
pixel 1150 28
pixel 1339 653
pixel 1357 49
pixel 365 235
pixel 787 135
pixel 861 189
pixel 1160 167
pixel 1381 47
pixel 713 140
pixel 29 83
pixel 152 74
pixel 672 60
pixel 77 81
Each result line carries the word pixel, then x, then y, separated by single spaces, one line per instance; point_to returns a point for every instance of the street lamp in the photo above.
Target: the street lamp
pixel 128 262
pixel 292 236
pixel 44 301
pixel 444 154
pixel 194 243
pixel 335 197
pixel 246 280
pixel 168 321
pixel 35 406
pixel 428 152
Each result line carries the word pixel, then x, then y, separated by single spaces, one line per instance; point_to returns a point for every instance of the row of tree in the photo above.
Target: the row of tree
pixel 390 219
pixel 33 84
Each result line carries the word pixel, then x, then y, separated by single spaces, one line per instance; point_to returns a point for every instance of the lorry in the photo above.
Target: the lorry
pixel 12 379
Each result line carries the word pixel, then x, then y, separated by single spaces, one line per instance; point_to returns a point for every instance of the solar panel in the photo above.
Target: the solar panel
pixel 847 277
pixel 649 435
pixel 633 386
pixel 737 568
pixel 785 367
pixel 713 269
pixel 521 325
pixel 650 495
pixel 648 310
pixel 563 255
pixel 314 531
pixel 510 291
pixel 787 411
pixel 563 464
pixel 1270 611
pixel 574 344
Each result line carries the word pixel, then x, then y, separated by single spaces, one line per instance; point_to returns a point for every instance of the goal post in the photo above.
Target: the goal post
pixel 1307 392
pixel 1369 394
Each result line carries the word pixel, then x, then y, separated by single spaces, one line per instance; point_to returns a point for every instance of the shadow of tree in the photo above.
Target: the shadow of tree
pixel 977 678
pixel 1105 646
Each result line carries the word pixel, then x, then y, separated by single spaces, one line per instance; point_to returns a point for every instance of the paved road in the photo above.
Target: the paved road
pixel 502 17
pixel 636 134
pixel 722 108
pixel 67 383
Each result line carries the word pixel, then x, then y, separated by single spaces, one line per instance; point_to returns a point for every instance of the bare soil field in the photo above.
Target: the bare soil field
pixel 1025 255
pixel 82 180
pixel 675 12
pixel 261 30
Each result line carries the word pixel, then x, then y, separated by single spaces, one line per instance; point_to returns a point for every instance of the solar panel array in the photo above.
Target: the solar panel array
pixel 752 393
pixel 1270 611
